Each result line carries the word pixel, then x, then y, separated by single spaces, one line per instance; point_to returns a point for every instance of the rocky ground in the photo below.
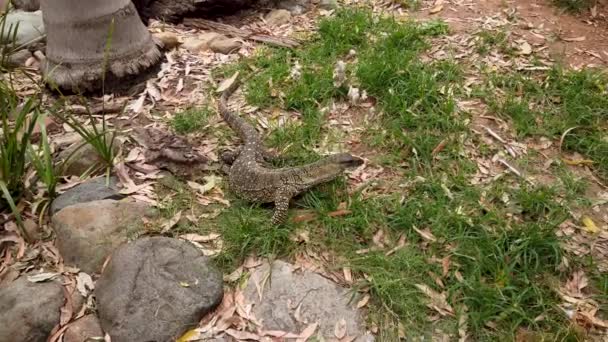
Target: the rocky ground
pixel 142 253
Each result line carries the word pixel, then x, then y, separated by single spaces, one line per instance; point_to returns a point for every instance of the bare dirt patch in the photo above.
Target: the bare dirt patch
pixel 577 40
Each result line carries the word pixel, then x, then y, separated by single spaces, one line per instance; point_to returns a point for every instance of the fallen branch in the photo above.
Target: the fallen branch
pixel 237 32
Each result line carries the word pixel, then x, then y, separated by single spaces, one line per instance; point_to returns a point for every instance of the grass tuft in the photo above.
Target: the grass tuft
pixel 190 120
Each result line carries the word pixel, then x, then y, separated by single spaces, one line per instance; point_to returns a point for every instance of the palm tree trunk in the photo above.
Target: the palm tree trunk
pixel 79 33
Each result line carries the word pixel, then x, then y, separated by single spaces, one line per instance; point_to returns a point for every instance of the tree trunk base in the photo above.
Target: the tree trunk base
pixel 85 77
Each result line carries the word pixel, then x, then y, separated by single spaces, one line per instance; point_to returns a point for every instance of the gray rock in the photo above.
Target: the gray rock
pixel 168 39
pixel 29 311
pixel 30 26
pixel 83 329
pixel 295 7
pixel 278 17
pixel 155 289
pixel 92 190
pixel 225 46
pixel 201 42
pixel 88 232
pixel 320 301
pixel 79 159
pixel 18 58
pixel 26 5
pixel 328 4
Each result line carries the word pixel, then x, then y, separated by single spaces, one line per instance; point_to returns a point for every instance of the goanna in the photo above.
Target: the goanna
pixel 253 179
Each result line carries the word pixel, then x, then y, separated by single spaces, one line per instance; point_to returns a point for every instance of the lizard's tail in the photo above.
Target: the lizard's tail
pixel 244 130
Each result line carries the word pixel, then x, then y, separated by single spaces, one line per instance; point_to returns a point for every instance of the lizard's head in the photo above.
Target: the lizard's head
pixel 346 160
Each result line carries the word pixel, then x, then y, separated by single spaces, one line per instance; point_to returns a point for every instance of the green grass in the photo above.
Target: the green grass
pixel 190 120
pixel 553 103
pixel 17 128
pixel 488 40
pixel 574 6
pixel 500 238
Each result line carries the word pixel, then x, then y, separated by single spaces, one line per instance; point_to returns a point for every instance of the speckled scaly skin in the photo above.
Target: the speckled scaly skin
pixel 251 178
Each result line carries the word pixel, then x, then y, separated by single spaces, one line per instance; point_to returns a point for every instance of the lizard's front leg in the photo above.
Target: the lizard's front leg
pixel 228 157
pixel 281 204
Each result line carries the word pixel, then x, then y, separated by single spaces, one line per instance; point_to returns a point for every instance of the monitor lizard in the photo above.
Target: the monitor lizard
pixel 251 176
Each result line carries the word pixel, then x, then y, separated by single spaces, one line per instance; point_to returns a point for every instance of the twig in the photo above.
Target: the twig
pixel 494 134
pixel 510 167
pixel 102 108
pixel 245 34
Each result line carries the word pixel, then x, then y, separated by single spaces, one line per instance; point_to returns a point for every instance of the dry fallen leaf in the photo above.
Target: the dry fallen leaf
pixel 242 335
pixel 225 84
pixel 211 182
pixel 590 226
pixel 190 335
pixel 337 213
pixel 577 282
pixel 200 238
pixel 577 162
pixel 436 9
pixel 438 300
pixel 575 39
pixel 445 265
pixel 84 284
pixel 340 329
pixel 525 48
pixel 348 276
pixel 172 222
pixel 426 234
pixel 363 302
pixel 41 277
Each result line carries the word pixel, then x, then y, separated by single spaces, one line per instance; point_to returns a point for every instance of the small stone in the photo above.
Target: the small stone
pixel 92 190
pixel 80 159
pixel 32 229
pixel 87 327
pixel 29 311
pixel 30 28
pixel 319 300
pixel 168 39
pixel 18 58
pixel 225 46
pixel 328 4
pixel 88 232
pixel 155 289
pixel 26 5
pixel 201 42
pixel 278 17
pixel 293 7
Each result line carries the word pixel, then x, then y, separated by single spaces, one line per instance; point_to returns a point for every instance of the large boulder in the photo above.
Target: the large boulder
pixel 94 189
pixel 81 158
pixel 155 289
pixel 83 329
pixel 30 27
pixel 88 232
pixel 29 311
pixel 317 299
